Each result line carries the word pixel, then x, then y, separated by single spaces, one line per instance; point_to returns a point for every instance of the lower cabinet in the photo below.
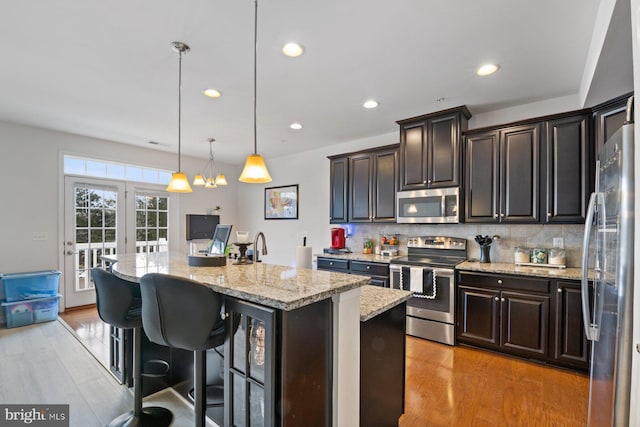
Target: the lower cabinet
pixel 278 365
pixel 530 317
pixel 377 271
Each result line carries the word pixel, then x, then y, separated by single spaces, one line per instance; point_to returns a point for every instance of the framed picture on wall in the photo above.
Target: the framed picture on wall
pixel 281 202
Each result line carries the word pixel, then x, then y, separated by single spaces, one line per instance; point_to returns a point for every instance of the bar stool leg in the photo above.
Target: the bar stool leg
pixel 151 416
pixel 200 374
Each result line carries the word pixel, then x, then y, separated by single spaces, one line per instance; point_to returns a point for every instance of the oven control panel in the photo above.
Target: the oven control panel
pixel 437 242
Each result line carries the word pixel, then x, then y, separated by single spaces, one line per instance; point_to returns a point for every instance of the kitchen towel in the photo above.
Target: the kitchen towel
pixel 303 257
pixel 415 280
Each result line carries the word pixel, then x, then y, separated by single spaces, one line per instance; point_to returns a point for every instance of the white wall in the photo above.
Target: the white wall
pixel 30 178
pixel 310 170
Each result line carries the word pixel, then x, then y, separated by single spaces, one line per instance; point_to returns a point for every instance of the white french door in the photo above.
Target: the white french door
pixel 106 217
pixel 94 226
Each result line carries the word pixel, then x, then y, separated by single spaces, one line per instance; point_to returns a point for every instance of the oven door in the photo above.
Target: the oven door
pixel 438 306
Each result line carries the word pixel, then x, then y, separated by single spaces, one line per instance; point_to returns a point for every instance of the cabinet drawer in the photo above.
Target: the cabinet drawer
pixel 370 268
pixel 333 264
pixel 501 281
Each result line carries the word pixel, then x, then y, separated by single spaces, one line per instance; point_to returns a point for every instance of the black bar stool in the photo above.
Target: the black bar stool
pixel 184 314
pixel 119 304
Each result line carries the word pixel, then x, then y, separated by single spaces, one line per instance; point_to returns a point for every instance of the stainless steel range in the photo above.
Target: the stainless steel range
pixel 428 271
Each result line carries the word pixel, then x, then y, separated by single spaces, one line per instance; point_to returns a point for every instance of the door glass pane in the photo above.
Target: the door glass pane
pixel 257 350
pixel 95 208
pixel 240 347
pixel 239 412
pixel 149 209
pixel 256 405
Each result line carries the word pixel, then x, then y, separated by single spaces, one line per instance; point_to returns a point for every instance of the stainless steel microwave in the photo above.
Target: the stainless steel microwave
pixel 433 206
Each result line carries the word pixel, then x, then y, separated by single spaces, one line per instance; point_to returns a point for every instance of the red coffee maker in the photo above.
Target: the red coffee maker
pixel 338 240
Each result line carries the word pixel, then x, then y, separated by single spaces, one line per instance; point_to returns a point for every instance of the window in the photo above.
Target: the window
pixel 74 165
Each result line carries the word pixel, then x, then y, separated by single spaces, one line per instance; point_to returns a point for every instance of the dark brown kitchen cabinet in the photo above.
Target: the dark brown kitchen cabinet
pixel 372 186
pixel 571 346
pixel 430 149
pixel 502 175
pixel 482 174
pixel 608 117
pixel 377 271
pixel 531 317
pixel 339 180
pixel 566 170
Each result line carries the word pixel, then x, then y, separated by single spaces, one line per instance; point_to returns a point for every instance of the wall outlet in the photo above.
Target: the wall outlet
pixel 558 242
pixel 39 235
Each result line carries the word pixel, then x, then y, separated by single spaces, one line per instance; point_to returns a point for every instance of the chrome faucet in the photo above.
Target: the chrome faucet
pixel 256 255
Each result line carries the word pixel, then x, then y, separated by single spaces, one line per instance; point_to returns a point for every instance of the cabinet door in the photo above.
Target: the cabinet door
pixel 571 344
pixel 338 187
pixel 608 120
pixel 443 157
pixel 360 173
pixel 413 156
pixel 384 185
pixel 249 362
pixel 525 323
pixel 481 165
pixel 565 165
pixel 478 313
pixel 519 174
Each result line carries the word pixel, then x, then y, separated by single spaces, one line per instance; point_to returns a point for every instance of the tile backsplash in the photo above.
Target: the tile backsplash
pixel 502 250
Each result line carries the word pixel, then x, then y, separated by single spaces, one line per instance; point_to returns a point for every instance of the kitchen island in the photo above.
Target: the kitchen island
pixel 297 351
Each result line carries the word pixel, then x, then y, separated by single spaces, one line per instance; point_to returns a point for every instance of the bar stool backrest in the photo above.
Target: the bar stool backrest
pixel 118 300
pixel 181 313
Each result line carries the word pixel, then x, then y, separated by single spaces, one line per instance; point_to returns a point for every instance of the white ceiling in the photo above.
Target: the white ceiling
pixel 106 69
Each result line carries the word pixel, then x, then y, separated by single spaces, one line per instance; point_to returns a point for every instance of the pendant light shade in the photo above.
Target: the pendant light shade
pixel 199 180
pixel 255 170
pixel 221 179
pixel 179 182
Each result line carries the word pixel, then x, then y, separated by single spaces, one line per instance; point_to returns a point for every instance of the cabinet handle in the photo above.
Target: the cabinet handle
pixel 497 299
pixel 495 215
pixel 368 267
pixel 429 181
pixel 548 214
pixel 330 262
pixel 501 215
pixel 502 299
pixel 559 290
pixel 424 182
pixel 500 281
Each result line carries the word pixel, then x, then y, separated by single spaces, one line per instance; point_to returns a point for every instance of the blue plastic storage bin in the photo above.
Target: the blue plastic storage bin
pixel 22 313
pixel 36 284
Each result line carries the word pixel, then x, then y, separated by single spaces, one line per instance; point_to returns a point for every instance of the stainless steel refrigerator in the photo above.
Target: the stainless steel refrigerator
pixel 608 248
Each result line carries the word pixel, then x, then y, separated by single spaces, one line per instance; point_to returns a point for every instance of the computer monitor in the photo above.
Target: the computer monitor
pixel 220 239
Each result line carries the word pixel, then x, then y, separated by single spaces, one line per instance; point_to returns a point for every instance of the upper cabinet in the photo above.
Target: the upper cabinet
pixel 363 186
pixel 608 118
pixel 502 175
pixel 538 171
pixel 430 149
pixel 566 169
pixel 339 175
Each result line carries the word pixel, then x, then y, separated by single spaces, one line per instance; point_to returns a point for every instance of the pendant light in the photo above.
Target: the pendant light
pixel 210 182
pixel 255 171
pixel 179 182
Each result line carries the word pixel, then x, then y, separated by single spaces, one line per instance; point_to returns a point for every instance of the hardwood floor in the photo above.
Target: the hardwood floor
pixel 92 332
pixel 454 386
pixel 460 386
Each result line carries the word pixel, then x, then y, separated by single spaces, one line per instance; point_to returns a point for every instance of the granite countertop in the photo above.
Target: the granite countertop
pixel 375 300
pixel 358 256
pixel 571 273
pixel 275 286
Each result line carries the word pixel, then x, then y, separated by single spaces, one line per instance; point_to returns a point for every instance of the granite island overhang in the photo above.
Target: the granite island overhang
pixel 293 297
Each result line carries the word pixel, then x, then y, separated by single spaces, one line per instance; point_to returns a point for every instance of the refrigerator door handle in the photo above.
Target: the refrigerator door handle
pixel 591 329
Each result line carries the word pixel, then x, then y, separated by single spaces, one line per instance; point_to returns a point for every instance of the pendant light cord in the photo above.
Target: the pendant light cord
pixel 255 78
pixel 179 105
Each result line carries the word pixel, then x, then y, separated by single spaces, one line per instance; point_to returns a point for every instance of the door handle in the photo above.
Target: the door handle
pixel 69 253
pixel 590 329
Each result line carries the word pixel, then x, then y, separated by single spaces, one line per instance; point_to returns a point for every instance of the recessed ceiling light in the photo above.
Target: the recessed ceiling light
pixel 212 93
pixel 292 49
pixel 295 126
pixel 370 104
pixel 487 69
